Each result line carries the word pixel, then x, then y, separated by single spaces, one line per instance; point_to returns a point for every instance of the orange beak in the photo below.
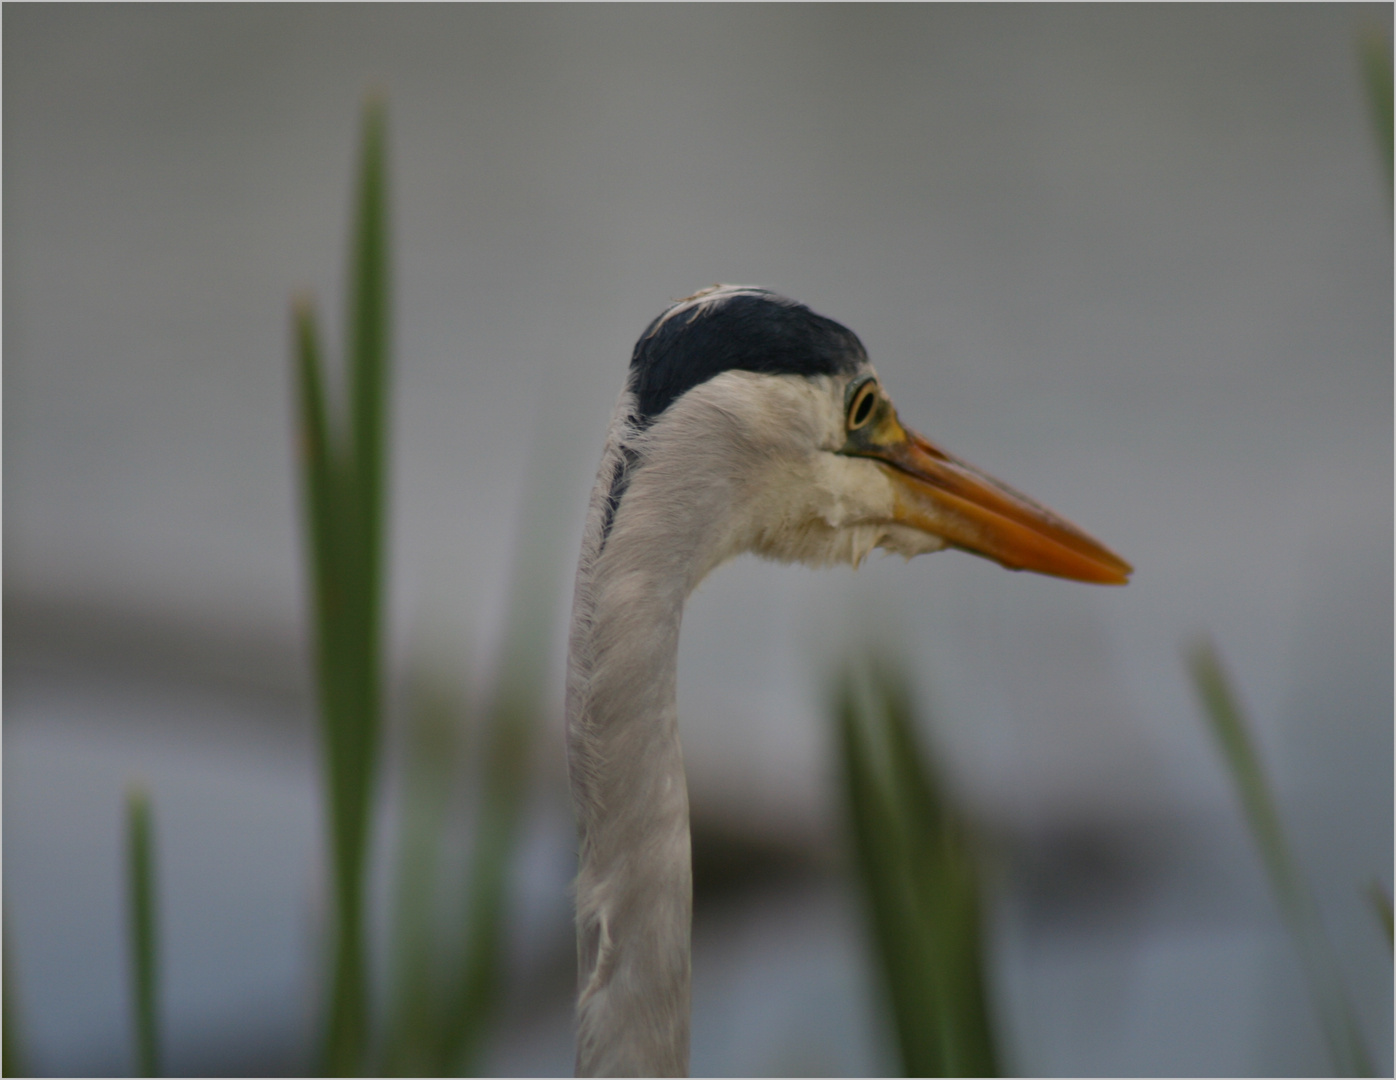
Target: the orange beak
pixel 941 495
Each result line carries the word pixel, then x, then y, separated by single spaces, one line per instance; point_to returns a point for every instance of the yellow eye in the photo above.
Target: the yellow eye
pixel 860 407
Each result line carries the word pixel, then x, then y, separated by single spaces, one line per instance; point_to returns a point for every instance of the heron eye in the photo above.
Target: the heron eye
pixel 861 407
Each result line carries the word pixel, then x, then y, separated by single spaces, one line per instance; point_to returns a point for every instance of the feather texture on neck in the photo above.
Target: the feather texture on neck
pixel 743 462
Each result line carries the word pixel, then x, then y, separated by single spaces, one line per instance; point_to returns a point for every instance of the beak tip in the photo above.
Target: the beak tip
pixel 1095 574
pixel 1113 572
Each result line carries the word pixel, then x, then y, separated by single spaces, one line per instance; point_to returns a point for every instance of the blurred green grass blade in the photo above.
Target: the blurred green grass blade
pixel 326 496
pixel 368 347
pixel 13 1055
pixel 511 724
pixel 881 867
pixel 1233 735
pixel 320 484
pixel 1375 52
pixel 917 866
pixel 343 475
pixel 431 754
pixel 316 452
pixel 1300 913
pixel 949 887
pixel 140 880
pixel 1381 904
pixel 361 522
pixel 505 772
pixel 361 527
pixel 369 326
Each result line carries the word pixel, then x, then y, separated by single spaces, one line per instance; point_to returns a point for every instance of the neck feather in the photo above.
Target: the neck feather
pixel 634 885
pixel 711 477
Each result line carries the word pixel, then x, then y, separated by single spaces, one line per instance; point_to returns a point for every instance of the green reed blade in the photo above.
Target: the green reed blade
pixel 368 344
pixel 321 491
pixel 949 887
pixel 1233 735
pixel 431 756
pixel 325 495
pixel 140 880
pixel 368 353
pixel 343 475
pixel 368 334
pixel 511 723
pixel 1375 53
pixel 1297 906
pixel 1381 904
pixel 474 994
pixel 882 870
pixel 919 874
pixel 13 1056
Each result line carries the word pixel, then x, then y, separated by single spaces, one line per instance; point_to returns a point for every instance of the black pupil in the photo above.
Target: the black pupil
pixel 864 406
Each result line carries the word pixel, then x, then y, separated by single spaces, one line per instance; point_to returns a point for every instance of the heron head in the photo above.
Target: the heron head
pixel 783 404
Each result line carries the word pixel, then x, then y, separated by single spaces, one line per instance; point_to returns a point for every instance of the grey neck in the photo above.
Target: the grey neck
pixel 634 882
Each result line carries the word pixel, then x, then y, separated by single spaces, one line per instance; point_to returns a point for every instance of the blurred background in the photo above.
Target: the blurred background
pixel 1136 261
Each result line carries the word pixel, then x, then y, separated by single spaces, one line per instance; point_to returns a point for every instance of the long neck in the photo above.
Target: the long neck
pixel 634 882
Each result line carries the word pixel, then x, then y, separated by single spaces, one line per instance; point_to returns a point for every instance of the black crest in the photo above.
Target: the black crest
pixel 732 328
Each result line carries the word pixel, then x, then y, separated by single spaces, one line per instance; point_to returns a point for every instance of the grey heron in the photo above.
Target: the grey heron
pixel 748 423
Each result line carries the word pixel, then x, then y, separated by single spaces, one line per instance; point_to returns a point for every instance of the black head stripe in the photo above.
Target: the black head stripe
pixel 730 328
pixel 620 480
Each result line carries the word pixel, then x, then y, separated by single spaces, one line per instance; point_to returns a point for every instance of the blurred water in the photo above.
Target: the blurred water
pixel 238 865
pixel 1136 261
